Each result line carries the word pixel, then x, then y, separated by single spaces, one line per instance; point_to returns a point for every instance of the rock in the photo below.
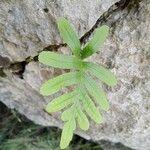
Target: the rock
pixel 25 30
pixel 126 53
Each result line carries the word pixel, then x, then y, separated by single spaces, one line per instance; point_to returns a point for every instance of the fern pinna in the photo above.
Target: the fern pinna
pixel 78 103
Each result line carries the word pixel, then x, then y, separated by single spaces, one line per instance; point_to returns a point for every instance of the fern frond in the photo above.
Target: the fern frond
pixel 78 104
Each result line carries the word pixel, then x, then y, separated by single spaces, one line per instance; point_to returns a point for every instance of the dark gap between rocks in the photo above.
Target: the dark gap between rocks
pixel 104 19
pixel 2 73
pixel 46 10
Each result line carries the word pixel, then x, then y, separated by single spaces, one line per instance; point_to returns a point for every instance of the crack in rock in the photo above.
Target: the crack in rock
pixel 18 68
pixel 106 18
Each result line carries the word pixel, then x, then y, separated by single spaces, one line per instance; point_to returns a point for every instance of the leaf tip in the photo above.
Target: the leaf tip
pixel 85 128
pixel 48 108
pixel 99 119
pixel 114 82
pixel 106 108
pixel 60 23
pixel 106 105
pixel 104 30
pixel 106 27
pixel 61 19
pixel 63 146
pixel 64 143
pixel 43 91
pixel 41 56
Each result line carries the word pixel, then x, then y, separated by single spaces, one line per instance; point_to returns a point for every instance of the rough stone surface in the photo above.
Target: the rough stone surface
pixel 27 26
pixel 25 30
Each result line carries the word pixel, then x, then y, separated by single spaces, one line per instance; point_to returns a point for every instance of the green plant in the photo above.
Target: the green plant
pixel 78 102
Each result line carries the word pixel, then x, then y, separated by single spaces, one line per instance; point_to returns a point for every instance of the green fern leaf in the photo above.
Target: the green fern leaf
pixel 101 73
pixel 90 108
pixel 61 102
pixel 97 92
pixel 53 85
pixel 59 60
pixel 67 133
pixel 98 39
pixel 69 36
pixel 82 119
pixel 66 115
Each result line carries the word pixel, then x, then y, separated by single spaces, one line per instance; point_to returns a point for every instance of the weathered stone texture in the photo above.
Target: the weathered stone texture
pixel 27 26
